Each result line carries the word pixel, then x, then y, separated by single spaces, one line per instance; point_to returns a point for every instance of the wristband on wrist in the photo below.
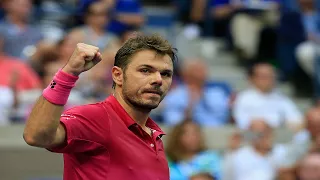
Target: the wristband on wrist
pixel 60 87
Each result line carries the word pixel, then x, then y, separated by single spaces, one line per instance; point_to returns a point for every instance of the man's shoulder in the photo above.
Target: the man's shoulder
pixel 87 110
pixel 245 94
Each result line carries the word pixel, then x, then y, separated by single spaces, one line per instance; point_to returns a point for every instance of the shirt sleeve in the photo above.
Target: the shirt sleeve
pixel 83 134
pixel 291 112
pixel 240 112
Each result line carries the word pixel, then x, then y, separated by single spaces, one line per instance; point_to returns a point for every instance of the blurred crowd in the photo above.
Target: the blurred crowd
pixel 273 40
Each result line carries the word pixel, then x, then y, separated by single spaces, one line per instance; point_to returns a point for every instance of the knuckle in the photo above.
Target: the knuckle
pixel 82 54
pixel 79 44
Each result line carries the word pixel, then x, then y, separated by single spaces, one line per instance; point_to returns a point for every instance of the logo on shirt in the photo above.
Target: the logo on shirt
pixel 53 84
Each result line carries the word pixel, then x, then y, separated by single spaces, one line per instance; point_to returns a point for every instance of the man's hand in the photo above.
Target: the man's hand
pixel 83 58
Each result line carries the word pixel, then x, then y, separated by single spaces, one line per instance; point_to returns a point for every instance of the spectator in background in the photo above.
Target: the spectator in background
pixel 93 32
pixel 248 20
pixel 18 37
pixel 306 52
pixel 16 78
pixel 192 15
pixel 28 79
pixel 263 101
pixel 54 16
pixel 126 14
pixel 261 159
pixel 207 105
pixel 187 153
pixel 310 167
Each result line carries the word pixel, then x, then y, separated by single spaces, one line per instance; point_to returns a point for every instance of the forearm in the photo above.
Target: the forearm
pixel 42 124
pixel 198 9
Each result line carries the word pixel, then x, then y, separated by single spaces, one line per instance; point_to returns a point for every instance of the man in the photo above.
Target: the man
pixel 261 158
pixel 310 167
pixel 196 98
pixel 113 139
pixel 263 101
pixel 17 35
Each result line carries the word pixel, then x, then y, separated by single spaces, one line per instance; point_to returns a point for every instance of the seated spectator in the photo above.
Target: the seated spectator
pixel 93 32
pixel 263 101
pixel 126 14
pixel 15 78
pixel 310 167
pixel 261 158
pixel 54 16
pixel 249 21
pixel 192 15
pixel 17 36
pixel 187 154
pixel 307 51
pixel 28 79
pixel 207 105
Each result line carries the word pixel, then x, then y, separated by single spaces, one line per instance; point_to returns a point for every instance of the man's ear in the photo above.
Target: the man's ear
pixel 117 75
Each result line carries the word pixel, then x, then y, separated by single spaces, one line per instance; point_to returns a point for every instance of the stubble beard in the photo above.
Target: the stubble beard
pixel 138 103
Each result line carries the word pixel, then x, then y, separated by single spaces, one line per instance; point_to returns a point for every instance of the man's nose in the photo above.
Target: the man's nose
pixel 157 79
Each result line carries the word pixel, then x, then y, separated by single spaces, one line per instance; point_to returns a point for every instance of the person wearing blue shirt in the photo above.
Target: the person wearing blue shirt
pixel 126 14
pixel 195 98
pixel 187 153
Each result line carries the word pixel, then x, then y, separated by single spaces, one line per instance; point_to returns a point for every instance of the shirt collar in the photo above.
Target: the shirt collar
pixel 128 121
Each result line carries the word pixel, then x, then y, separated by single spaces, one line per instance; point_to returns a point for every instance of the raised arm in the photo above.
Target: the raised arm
pixel 43 127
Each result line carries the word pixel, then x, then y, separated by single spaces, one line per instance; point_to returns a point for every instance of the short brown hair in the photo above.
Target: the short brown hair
pixel 143 42
pixel 175 150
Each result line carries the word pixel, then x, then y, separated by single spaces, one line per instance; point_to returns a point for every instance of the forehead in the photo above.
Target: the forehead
pixel 264 69
pixel 151 58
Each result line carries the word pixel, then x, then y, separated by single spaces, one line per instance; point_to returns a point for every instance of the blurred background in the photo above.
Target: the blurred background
pixel 244 104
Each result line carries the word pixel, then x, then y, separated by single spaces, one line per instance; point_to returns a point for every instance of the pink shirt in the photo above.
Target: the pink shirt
pixel 105 143
pixel 27 78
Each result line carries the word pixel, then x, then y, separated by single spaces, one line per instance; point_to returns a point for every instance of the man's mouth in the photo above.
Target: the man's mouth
pixel 154 92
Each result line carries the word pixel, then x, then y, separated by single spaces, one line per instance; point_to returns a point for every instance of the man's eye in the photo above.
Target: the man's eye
pixel 145 70
pixel 166 74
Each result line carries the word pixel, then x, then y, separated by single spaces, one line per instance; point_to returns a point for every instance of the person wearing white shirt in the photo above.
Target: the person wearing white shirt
pixel 263 101
pixel 261 158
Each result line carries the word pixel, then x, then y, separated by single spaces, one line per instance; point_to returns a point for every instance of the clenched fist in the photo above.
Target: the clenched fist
pixel 83 58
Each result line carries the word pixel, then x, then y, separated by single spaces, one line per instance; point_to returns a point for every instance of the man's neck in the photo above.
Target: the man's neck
pixel 262 152
pixel 138 115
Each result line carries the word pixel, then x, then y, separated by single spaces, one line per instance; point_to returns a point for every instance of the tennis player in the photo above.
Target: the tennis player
pixel 114 139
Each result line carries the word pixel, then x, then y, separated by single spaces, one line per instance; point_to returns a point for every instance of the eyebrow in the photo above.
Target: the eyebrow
pixel 165 70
